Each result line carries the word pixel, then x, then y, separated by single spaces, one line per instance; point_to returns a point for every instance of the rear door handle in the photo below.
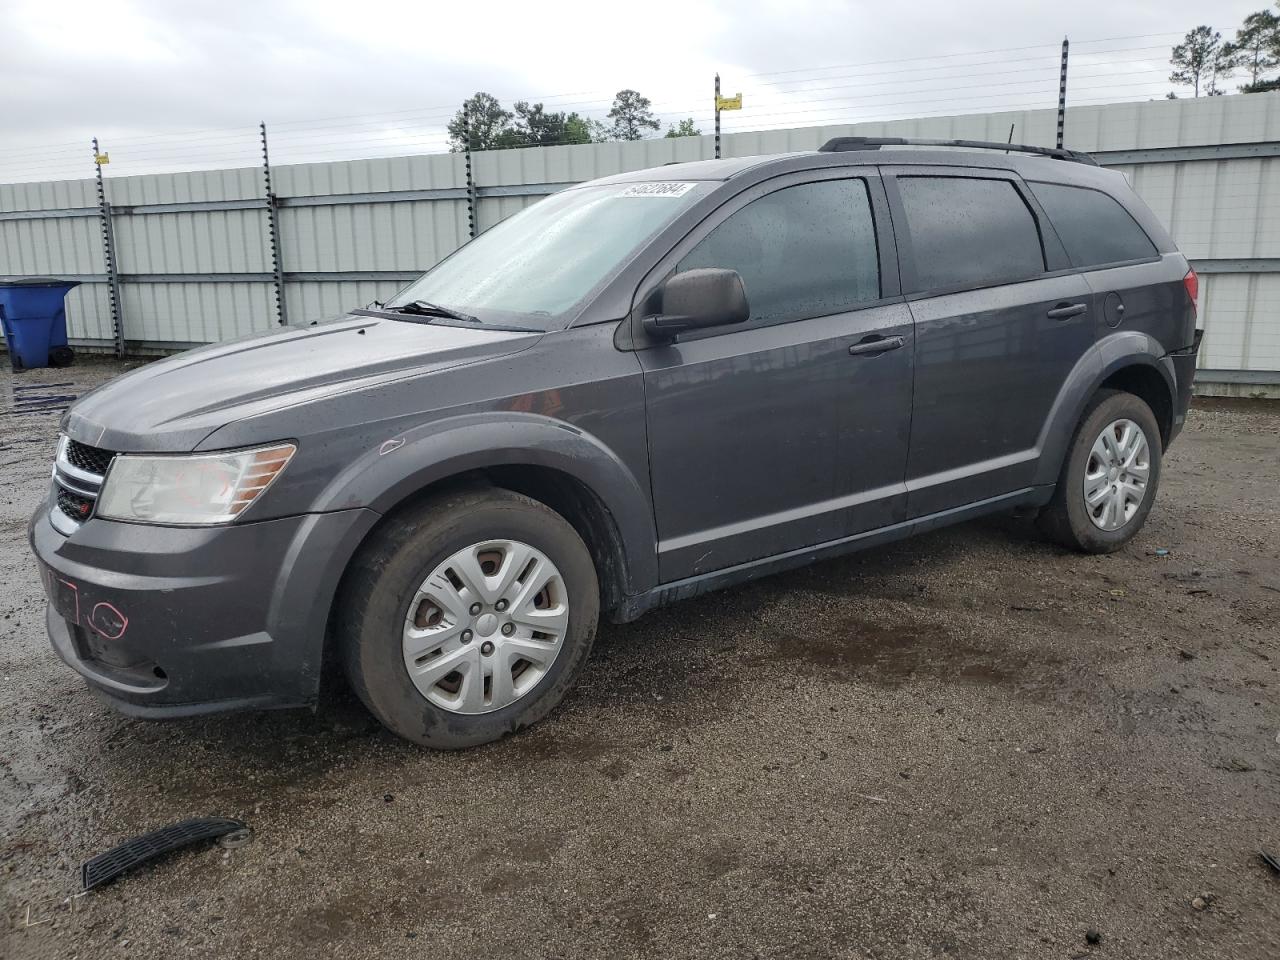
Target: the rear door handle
pixel 1065 311
pixel 875 344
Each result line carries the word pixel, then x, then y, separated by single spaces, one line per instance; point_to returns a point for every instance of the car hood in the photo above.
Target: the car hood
pixel 173 404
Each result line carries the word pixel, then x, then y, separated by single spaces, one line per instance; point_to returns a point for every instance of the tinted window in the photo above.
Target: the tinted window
pixel 968 232
pixel 1093 227
pixel 805 251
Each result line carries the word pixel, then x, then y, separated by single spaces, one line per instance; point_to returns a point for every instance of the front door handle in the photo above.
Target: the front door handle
pixel 875 344
pixel 1065 311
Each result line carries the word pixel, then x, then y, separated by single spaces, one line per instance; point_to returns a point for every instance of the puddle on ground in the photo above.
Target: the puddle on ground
pixel 28 398
pixel 894 654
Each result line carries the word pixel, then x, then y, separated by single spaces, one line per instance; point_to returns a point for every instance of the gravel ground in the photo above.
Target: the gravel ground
pixel 969 744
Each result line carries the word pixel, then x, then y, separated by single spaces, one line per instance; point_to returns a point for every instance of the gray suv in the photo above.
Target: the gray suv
pixel 637 390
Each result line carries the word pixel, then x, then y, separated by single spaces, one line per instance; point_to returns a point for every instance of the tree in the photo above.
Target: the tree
pixel 1221 67
pixel 1256 49
pixel 684 128
pixel 530 125
pixel 1200 60
pixel 631 116
pixel 534 126
pixel 580 129
pixel 489 125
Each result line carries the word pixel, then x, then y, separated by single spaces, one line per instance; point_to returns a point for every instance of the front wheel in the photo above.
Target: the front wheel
pixel 1109 478
pixel 468 618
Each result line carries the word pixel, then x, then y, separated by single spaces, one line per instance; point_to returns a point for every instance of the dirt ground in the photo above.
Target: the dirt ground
pixel 971 744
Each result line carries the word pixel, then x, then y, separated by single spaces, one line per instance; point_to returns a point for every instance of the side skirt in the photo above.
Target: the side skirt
pixel 632 608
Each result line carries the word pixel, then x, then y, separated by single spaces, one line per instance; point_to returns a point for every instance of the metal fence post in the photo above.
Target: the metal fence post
pixel 273 232
pixel 717 116
pixel 109 254
pixel 1062 94
pixel 471 182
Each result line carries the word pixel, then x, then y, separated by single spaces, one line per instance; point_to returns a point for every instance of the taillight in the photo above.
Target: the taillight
pixel 1192 283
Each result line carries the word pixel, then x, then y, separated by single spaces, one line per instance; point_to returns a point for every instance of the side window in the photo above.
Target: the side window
pixel 969 232
pixel 804 251
pixel 1093 227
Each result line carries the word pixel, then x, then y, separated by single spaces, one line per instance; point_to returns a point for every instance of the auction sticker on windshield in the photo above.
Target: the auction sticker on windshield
pixel 657 190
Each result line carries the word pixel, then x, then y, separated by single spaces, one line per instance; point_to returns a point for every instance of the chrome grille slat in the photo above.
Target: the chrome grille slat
pixel 90 493
pixel 67 470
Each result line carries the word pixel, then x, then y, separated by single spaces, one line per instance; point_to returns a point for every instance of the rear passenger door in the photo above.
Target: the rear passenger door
pixel 1132 289
pixel 1000 321
pixel 791 429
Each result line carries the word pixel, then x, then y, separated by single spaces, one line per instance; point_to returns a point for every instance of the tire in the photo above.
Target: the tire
pixel 61 356
pixel 375 615
pixel 1067 517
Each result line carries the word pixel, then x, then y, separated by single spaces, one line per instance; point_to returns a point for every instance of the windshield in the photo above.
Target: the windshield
pixel 544 260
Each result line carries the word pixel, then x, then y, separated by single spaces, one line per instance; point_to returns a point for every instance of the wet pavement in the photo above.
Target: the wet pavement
pixel 970 744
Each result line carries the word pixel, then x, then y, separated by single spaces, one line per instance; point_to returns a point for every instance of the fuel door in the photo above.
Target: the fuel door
pixel 1113 309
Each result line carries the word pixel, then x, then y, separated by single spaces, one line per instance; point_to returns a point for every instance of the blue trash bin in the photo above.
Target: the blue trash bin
pixel 35 321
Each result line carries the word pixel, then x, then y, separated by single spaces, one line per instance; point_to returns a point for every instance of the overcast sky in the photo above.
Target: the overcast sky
pixel 172 83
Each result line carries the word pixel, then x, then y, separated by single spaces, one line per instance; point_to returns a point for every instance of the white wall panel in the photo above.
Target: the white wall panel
pixel 242 183
pixel 317 301
pixel 1239 314
pixel 197 312
pixel 372 236
pixel 89 312
pixel 53 246
pixel 212 241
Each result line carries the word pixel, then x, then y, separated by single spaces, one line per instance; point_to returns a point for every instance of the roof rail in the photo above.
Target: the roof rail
pixel 843 144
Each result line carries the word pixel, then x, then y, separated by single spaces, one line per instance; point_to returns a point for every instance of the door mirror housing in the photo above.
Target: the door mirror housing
pixel 706 297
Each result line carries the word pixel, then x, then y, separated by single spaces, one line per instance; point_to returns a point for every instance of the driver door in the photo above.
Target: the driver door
pixel 789 430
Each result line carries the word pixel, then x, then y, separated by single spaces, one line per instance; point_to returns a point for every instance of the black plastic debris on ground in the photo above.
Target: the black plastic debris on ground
pixel 105 867
pixel 1270 859
pixel 41 397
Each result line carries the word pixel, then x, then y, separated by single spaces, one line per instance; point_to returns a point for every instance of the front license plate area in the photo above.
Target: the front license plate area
pixel 63 595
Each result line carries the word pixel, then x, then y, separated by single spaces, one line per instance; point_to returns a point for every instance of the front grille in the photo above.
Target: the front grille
pixel 74 505
pixel 77 477
pixel 91 459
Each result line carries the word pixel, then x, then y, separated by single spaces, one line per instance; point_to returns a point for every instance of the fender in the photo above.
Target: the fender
pixel 1112 353
pixel 384 476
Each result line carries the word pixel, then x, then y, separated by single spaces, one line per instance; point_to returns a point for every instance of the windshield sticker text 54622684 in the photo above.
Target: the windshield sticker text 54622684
pixel 657 190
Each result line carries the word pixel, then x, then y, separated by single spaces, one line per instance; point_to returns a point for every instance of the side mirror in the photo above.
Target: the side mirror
pixel 707 297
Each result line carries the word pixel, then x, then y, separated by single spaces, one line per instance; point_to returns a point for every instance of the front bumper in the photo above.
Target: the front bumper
pixel 177 621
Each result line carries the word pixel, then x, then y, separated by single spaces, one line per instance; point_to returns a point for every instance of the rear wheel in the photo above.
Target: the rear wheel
pixel 1109 478
pixel 468 618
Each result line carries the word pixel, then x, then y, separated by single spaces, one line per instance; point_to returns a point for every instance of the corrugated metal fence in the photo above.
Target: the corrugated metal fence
pixel 194 258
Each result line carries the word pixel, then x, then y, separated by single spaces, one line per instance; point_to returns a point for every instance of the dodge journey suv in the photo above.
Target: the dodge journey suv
pixel 639 389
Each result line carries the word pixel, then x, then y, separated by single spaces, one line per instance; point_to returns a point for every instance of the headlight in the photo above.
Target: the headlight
pixel 199 488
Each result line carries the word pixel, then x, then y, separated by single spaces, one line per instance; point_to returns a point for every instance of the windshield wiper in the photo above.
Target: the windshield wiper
pixel 425 308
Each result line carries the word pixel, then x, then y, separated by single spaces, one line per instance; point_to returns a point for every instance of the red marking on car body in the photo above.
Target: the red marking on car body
pixel 76 591
pixel 108 622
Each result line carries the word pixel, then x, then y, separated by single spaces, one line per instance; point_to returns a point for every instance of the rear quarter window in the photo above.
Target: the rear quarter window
pixel 1094 227
pixel 969 232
